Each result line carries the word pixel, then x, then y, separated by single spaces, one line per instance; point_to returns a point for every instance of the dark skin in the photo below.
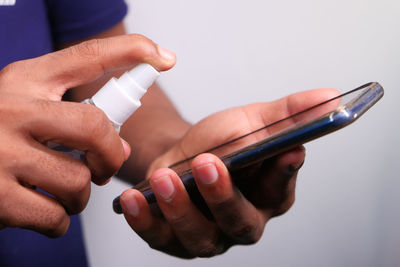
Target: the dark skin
pixel 158 136
pixel 239 216
pixel 154 102
pixel 164 137
pixel 32 114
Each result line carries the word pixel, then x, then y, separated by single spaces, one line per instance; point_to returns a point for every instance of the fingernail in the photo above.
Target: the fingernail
pixel 127 149
pixel 207 173
pixel 129 202
pixel 166 54
pixel 164 187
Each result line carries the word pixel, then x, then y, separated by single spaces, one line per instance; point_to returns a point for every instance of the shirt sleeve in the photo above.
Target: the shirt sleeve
pixel 73 20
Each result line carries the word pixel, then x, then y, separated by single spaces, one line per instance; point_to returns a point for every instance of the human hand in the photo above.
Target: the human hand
pixel 32 114
pixel 239 217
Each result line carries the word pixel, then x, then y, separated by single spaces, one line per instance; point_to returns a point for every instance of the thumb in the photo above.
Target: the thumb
pixel 57 72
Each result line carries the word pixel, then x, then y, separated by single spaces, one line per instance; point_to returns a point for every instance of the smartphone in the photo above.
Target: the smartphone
pixel 277 137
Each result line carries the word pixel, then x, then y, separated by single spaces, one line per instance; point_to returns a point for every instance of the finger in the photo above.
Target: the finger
pixel 198 235
pixel 276 187
pixel 82 127
pixel 293 104
pixel 87 61
pixel 245 119
pixel 235 216
pixel 65 178
pixel 25 208
pixel 288 112
pixel 152 229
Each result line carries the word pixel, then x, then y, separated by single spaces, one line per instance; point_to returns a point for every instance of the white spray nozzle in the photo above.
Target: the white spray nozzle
pixel 119 98
pixel 144 75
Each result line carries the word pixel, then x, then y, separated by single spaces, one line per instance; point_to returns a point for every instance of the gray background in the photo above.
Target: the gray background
pixel 237 52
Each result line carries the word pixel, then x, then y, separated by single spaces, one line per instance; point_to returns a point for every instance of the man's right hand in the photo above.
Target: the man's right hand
pixel 32 114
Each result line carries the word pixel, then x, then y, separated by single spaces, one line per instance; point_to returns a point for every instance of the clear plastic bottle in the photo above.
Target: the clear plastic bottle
pixel 119 99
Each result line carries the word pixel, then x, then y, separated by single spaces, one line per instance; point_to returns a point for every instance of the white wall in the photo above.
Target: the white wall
pixel 235 52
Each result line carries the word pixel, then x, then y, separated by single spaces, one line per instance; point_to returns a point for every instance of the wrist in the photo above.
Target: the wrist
pixel 149 146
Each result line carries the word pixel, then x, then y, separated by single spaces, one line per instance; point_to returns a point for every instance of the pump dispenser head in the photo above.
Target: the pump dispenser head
pixel 119 98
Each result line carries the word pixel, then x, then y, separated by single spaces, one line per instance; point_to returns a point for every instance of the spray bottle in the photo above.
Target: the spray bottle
pixel 119 99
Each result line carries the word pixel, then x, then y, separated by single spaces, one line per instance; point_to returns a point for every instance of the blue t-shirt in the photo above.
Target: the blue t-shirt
pixel 30 28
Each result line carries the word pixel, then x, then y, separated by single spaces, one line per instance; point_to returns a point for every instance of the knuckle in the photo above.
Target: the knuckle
pixel 10 114
pixel 142 39
pixel 90 49
pixel 147 48
pixel 114 163
pixel 156 242
pixel 246 233
pixel 41 105
pixel 94 123
pixel 118 160
pixel 79 186
pixel 9 71
pixel 224 206
pixel 179 219
pixel 81 180
pixel 206 250
pixel 76 207
pixel 209 247
pixel 100 135
pixel 285 206
pixel 76 190
pixel 139 37
pixel 242 230
pixel 56 223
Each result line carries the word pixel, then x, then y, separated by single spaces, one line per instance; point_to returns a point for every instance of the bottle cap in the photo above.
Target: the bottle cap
pixel 119 98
